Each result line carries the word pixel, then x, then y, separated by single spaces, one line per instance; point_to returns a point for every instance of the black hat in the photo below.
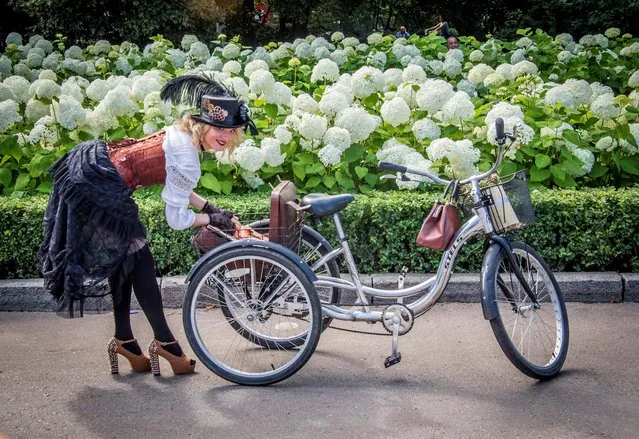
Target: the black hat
pixel 218 104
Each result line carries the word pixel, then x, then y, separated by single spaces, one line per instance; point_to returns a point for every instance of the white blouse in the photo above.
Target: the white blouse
pixel 182 175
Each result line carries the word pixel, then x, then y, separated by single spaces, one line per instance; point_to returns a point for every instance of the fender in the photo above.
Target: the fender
pixel 283 251
pixel 487 282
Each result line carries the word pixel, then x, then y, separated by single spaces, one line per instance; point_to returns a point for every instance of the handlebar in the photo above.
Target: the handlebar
pixel 501 140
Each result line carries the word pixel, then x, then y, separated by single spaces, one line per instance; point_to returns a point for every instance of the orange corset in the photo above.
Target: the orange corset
pixel 140 162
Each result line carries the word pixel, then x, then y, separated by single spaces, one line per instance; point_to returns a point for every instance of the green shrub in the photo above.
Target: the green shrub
pixel 576 230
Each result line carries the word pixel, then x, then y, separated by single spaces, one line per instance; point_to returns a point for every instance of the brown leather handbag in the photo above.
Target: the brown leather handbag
pixel 442 222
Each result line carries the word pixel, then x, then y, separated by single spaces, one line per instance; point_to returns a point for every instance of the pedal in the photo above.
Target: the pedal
pixel 393 359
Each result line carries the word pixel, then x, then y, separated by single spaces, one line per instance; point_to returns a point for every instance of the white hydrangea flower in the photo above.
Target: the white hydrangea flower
pixel 374 38
pixel 272 151
pixel 305 103
pixel 214 63
pixel 604 107
pixel 601 41
pixel 436 66
pixel 476 55
pixel 232 66
pixel 261 81
pixel 580 90
pixel 292 121
pixel 452 67
pixel 478 73
pixel 612 32
pixel 329 155
pixel 304 50
pixel 20 88
pixel 97 90
pixel 414 73
pixel 143 85
pixel 279 94
pixel 358 122
pixel 199 51
pixel 99 120
pixel 149 128
pixel 433 95
pixel 395 112
pixel 231 51
pixel 517 56
pixel 457 109
pixel 312 126
pixel 350 42
pixel 320 53
pixel 118 102
pixel 564 56
pixel 407 92
pixel 366 81
pixel 336 37
pixel 405 60
pixel 68 112
pixel 325 70
pixel 560 95
pixel 36 110
pixel 310 144
pixel 627 146
pixel 399 51
pixel 282 134
pixel 506 70
pixel 503 110
pixel 524 67
pixel 553 77
pixel 188 40
pixel 339 57
pixel 9 114
pixel 45 89
pixel 633 81
pixel 252 180
pixel 376 59
pixel 332 103
pixel 152 100
pixel 6 93
pixel 342 89
pixel 606 144
pixel 224 157
pixel 439 148
pixel 524 134
pixel 44 133
pixel 338 137
pixel 462 158
pixel 394 151
pixel 586 157
pixel 256 64
pixel 494 79
pixel 176 57
pixel 393 77
pixel 455 54
pixel 13 38
pixel 249 156
pixel 426 129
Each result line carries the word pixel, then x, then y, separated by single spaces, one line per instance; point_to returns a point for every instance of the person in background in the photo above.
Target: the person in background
pixel 402 33
pixel 452 42
pixel 94 242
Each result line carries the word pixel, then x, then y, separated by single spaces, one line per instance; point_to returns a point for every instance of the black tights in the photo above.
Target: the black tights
pixel 142 281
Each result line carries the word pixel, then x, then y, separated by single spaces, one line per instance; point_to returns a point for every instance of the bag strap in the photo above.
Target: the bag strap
pixel 453 188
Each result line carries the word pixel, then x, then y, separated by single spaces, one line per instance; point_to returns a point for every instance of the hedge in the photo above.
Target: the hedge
pixel 575 230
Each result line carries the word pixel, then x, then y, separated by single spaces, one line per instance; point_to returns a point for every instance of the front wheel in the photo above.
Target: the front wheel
pixel 252 315
pixel 535 339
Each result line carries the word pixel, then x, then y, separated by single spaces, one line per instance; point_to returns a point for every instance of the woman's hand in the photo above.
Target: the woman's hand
pixel 209 208
pixel 222 221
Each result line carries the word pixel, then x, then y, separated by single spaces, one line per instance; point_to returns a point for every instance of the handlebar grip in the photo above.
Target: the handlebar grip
pixel 499 128
pixel 391 167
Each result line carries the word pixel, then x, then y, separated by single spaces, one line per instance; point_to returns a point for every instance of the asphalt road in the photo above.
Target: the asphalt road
pixel 453 382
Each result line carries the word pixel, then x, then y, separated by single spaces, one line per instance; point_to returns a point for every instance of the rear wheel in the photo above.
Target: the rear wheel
pixel 313 248
pixel 252 316
pixel 534 339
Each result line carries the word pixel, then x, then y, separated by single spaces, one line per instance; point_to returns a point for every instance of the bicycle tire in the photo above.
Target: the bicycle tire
pixel 539 355
pixel 247 275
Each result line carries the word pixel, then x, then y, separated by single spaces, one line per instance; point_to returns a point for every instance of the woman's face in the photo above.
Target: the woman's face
pixel 218 139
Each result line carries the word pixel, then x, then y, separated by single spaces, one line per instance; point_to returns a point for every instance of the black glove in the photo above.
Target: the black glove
pixel 209 208
pixel 221 221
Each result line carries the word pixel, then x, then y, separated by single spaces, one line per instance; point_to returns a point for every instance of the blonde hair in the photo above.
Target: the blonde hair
pixel 198 130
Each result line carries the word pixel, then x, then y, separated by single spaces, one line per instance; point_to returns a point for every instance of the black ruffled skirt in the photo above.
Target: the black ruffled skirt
pixel 91 230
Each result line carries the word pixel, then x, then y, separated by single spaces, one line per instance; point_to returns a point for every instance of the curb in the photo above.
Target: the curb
pixel 589 287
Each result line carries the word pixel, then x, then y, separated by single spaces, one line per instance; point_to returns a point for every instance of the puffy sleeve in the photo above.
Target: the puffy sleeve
pixel 182 176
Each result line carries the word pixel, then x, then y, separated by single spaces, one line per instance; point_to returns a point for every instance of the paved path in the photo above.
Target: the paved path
pixel 453 382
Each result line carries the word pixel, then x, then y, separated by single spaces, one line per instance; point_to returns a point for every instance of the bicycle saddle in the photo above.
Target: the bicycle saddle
pixel 324 205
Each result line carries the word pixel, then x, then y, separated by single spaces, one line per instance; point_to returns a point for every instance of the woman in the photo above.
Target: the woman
pixel 94 242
